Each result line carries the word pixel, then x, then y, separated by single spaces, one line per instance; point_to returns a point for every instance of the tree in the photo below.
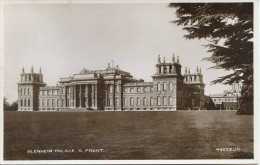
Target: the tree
pixel 228 27
pixel 8 107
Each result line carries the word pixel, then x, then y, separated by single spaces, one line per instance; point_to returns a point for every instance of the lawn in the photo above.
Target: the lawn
pixel 127 135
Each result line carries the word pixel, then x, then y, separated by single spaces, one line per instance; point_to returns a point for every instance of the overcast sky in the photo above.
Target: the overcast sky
pixel 63 39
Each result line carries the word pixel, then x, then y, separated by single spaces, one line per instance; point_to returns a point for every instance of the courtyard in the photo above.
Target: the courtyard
pixel 127 135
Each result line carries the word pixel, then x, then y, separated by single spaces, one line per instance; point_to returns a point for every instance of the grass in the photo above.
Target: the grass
pixel 128 135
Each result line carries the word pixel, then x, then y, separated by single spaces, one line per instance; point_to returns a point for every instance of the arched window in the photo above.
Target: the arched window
pixel 21 91
pixel 164 101
pixel 164 86
pixel 138 101
pixel 48 102
pixel 24 91
pixel 131 101
pixel 28 91
pixel 52 103
pixel 158 101
pixel 43 103
pixel 170 86
pixel 145 101
pixel 125 101
pixel 170 100
pixel 21 103
pixel 117 102
pixel 58 102
pixel 151 101
pixel 158 86
pixel 68 103
pixel 25 102
pixel 28 102
pixel 190 78
pixel 62 103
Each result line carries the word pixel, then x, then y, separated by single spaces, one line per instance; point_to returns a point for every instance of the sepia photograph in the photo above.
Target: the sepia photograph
pixel 170 81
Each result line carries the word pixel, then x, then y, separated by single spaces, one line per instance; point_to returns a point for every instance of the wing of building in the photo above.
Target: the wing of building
pixel 114 89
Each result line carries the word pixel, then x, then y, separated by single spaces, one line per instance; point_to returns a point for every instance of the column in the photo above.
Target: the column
pixel 93 95
pixel 113 96
pixel 65 97
pixel 71 95
pixel 86 95
pixel 80 96
pixel 75 96
pixel 120 95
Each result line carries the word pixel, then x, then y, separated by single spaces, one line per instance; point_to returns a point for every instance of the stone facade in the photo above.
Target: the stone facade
pixel 113 89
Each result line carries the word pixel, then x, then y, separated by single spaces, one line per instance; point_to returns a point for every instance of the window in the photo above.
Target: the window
pixel 131 101
pixel 158 87
pixel 138 101
pixel 165 70
pixel 171 86
pixel 62 102
pixel 131 89
pixel 158 101
pixel 117 102
pixel 68 103
pixel 138 89
pixel 151 101
pixel 164 101
pixel 58 102
pixel 52 103
pixel 145 89
pixel 145 101
pixel 48 102
pixel 24 92
pixel 48 92
pixel 164 86
pixel 125 90
pixel 25 102
pixel 170 100
pixel 21 102
pixel 28 91
pixel 125 101
pixel 43 103
pixel 52 92
pixel 21 91
pixel 28 102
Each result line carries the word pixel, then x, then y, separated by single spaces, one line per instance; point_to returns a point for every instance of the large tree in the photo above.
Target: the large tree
pixel 228 27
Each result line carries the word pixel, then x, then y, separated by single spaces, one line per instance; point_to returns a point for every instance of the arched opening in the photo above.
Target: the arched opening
pixel 158 101
pixel 24 92
pixel 28 91
pixel 125 101
pixel 158 86
pixel 21 103
pixel 21 91
pixel 48 102
pixel 28 102
pixel 131 101
pixel 52 103
pixel 164 86
pixel 165 69
pixel 25 102
pixel 58 102
pixel 151 101
pixel 117 102
pixel 170 86
pixel 164 101
pixel 145 101
pixel 170 100
pixel 138 101
pixel 43 103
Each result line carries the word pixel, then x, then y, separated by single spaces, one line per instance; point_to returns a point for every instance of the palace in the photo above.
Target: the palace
pixel 115 89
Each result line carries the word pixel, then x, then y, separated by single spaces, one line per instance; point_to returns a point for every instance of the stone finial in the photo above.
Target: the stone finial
pixel 189 71
pixel 23 70
pixel 186 70
pixel 159 58
pixel 197 69
pixel 163 59
pixel 116 66
pixel 173 58
pixel 32 69
pixel 40 70
pixel 178 60
pixel 108 65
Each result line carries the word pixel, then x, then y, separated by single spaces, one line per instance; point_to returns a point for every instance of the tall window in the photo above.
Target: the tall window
pixel 117 102
pixel 24 92
pixel 165 70
pixel 145 101
pixel 170 100
pixel 25 102
pixel 21 103
pixel 62 102
pixel 48 102
pixel 164 86
pixel 52 103
pixel 58 102
pixel 28 102
pixel 158 101
pixel 68 102
pixel 151 101
pixel 131 101
pixel 21 91
pixel 28 91
pixel 164 101
pixel 158 87
pixel 171 86
pixel 138 101
pixel 43 103
pixel 125 101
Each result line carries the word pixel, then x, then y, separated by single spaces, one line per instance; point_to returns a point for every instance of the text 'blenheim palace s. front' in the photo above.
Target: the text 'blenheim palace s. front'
pixel 114 89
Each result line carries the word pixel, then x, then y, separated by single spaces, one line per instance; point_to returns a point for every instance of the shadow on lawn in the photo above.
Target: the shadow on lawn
pixel 243 155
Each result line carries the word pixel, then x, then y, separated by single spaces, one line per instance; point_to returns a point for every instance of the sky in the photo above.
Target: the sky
pixel 63 39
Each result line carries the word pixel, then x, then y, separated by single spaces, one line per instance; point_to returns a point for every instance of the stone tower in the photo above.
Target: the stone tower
pixel 28 90
pixel 196 79
pixel 167 85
